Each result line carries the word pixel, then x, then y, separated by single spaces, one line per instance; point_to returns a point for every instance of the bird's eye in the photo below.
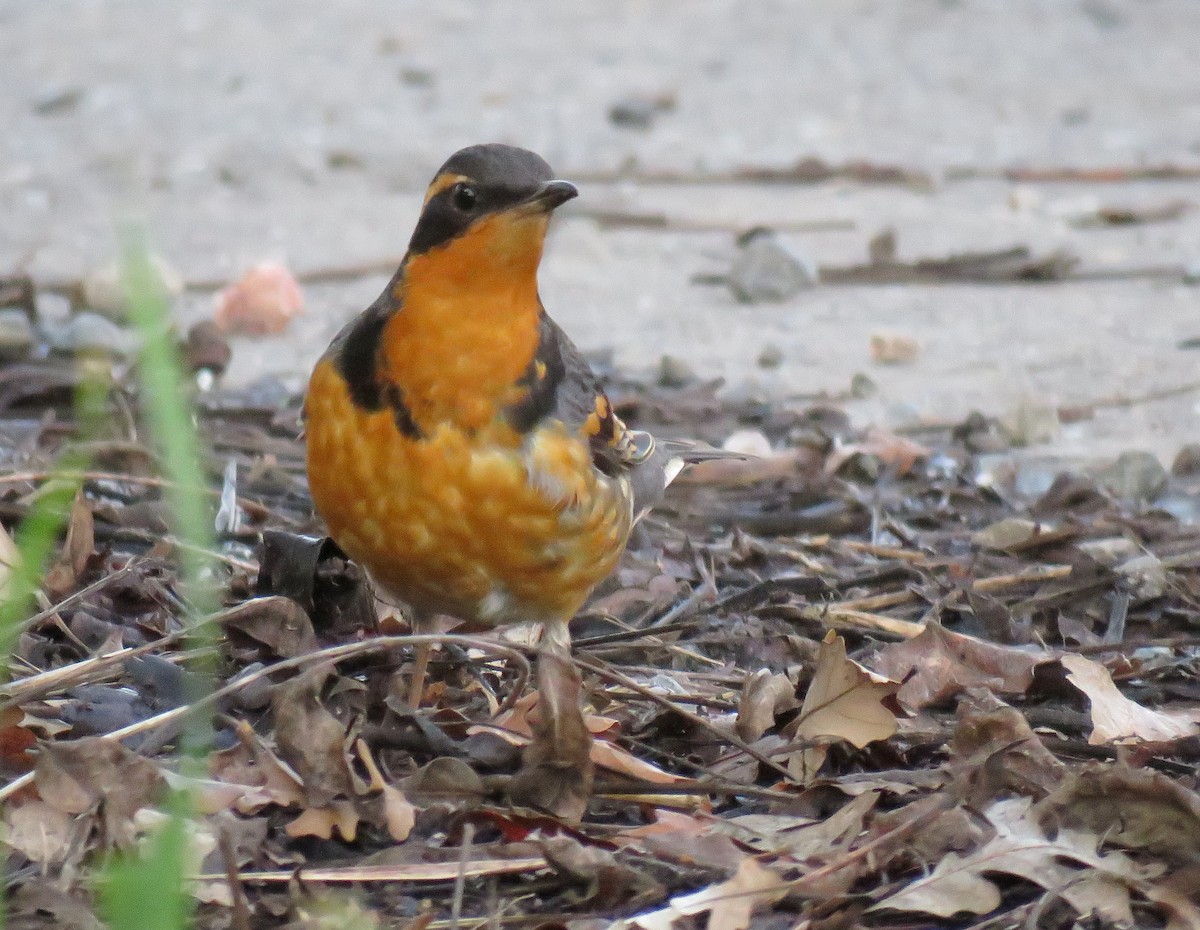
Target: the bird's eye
pixel 464 197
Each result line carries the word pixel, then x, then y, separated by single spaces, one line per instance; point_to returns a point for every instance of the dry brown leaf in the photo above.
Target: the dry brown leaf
pixel 939 663
pixel 896 453
pixel 728 904
pixel 1006 534
pixel 1134 808
pixel 94 774
pixel 322 821
pixel 1116 717
pixel 277 622
pixel 800 838
pixel 310 739
pixel 997 750
pixel 41 831
pixel 844 700
pixel 763 696
pixel 256 772
pixel 444 779
pixel 612 757
pixel 518 725
pixel 62 576
pixel 515 725
pixel 1020 848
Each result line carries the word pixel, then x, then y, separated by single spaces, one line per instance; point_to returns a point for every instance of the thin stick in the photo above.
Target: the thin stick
pixel 995 583
pixel 460 880
pixel 693 718
pixel 241 907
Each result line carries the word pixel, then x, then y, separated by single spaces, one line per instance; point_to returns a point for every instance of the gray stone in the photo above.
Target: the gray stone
pixel 763 270
pixel 770 357
pixel 17 337
pixel 1187 461
pixel 1135 476
pixel 91 332
pixel 675 372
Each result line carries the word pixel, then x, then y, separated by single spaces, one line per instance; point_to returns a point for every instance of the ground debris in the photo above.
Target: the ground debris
pixel 855 679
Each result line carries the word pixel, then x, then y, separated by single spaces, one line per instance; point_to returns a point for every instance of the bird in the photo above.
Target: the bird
pixel 461 450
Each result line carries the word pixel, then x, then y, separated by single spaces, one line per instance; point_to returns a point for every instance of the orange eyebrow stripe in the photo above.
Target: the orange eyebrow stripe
pixel 443 182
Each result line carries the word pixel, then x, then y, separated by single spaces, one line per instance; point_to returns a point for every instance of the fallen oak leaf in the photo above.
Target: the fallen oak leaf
pixel 763 696
pixel 1133 808
pixel 1020 847
pixel 939 664
pixel 263 777
pixel 279 623
pixel 845 700
pixel 1116 717
pixel 311 739
pixel 93 774
pixel 41 831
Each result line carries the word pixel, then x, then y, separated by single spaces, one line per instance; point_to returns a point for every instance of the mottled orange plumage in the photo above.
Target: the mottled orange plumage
pixel 460 449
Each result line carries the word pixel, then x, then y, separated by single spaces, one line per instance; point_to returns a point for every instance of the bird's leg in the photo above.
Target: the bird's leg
pixel 422 625
pixel 556 769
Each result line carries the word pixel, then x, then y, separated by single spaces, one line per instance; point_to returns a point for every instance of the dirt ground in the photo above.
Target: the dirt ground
pixel 305 131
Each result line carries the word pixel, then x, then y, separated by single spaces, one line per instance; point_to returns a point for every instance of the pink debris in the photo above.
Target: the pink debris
pixel 262 302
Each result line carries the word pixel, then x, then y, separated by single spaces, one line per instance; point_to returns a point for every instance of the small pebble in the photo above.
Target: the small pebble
pixel 638 111
pixel 770 357
pixel 104 288
pixel 1187 461
pixel 1006 534
pixel 881 250
pixel 675 372
pixel 56 99
pixel 1030 422
pixel 17 337
pixel 254 696
pixel 862 386
pixel 894 349
pixel 1147 575
pixel 764 271
pixel 86 333
pixel 1135 476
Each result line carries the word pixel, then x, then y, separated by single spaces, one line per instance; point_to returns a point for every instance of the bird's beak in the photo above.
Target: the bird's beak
pixel 552 194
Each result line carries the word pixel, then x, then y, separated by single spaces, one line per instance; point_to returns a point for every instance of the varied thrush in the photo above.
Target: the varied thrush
pixel 462 451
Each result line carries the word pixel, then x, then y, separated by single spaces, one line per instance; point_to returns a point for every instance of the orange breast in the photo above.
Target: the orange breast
pixel 487 526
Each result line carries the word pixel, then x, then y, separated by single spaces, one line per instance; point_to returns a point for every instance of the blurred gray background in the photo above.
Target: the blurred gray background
pixel 305 132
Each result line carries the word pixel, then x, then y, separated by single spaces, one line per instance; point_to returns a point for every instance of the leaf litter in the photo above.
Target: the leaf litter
pixel 858 680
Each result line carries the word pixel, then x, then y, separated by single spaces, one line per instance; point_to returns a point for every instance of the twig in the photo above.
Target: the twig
pixel 241 907
pixel 693 718
pixel 460 880
pixel 986 585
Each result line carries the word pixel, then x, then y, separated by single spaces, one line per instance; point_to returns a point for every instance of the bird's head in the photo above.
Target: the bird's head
pixel 487 209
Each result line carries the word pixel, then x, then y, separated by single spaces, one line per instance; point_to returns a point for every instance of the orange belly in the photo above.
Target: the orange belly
pixel 492 526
